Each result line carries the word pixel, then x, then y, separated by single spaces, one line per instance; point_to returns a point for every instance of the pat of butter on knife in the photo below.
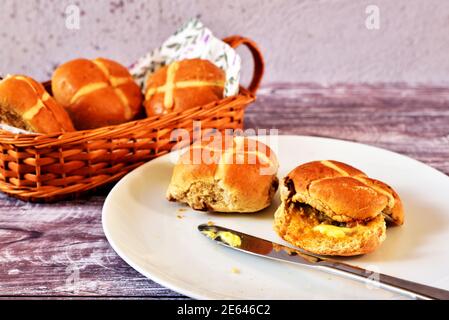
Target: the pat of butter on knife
pixel 228 237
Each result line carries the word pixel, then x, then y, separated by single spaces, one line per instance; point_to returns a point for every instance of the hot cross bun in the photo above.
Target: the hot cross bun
pixel 331 208
pixel 25 104
pixel 239 176
pixel 343 192
pixel 182 85
pixel 96 93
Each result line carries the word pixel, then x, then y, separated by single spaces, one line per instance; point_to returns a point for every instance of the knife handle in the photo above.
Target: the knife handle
pixel 412 289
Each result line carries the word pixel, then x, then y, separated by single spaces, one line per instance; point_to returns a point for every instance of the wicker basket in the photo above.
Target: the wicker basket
pixel 50 167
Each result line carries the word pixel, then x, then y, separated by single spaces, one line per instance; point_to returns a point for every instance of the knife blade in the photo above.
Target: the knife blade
pixel 263 248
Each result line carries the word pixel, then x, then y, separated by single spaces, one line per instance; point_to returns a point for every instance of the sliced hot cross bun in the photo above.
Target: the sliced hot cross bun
pixel 182 85
pixel 239 176
pixel 96 93
pixel 329 207
pixel 25 104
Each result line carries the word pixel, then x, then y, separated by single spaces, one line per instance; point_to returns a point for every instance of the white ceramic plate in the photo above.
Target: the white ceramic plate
pixel 143 228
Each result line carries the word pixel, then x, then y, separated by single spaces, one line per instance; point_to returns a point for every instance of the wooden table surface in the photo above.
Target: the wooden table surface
pixel 60 249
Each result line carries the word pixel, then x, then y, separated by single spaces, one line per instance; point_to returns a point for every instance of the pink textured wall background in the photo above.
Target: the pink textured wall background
pixel 303 40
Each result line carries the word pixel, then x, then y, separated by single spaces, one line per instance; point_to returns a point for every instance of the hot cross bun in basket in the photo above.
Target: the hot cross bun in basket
pixel 329 207
pixel 182 85
pixel 25 104
pixel 96 93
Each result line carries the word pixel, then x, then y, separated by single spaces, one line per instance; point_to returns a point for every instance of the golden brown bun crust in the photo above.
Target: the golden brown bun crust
pixel 298 229
pixel 193 70
pixel 25 104
pixel 96 93
pixel 219 184
pixel 342 192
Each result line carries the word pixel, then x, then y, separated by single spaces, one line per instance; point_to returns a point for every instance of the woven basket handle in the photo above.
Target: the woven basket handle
pixel 259 65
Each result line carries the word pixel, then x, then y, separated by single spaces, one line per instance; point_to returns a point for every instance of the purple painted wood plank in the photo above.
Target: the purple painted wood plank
pixel 60 249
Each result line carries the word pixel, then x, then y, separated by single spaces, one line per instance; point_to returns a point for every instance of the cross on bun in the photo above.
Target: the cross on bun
pixel 25 104
pixel 239 177
pixel 182 85
pixel 329 207
pixel 96 93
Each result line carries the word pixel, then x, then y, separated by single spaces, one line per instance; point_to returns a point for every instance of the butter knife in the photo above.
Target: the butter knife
pixel 264 248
